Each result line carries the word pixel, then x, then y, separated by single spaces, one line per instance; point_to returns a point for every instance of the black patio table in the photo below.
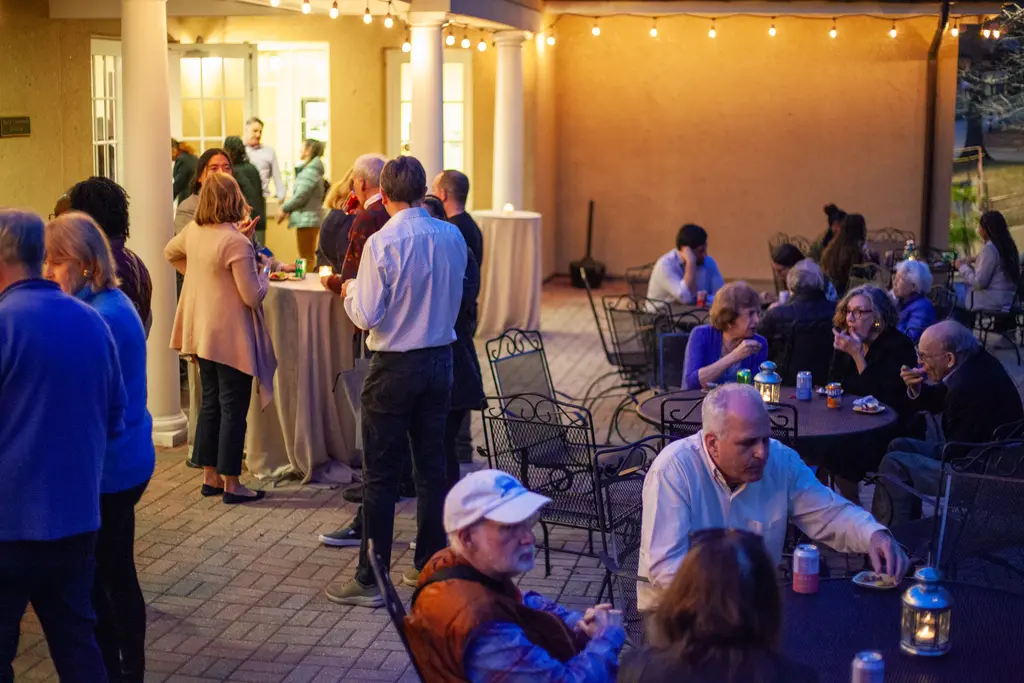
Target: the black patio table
pixel 825 630
pixel 827 437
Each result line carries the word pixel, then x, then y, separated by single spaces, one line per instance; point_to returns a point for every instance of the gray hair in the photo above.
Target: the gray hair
pixel 955 338
pixel 805 276
pixel 881 304
pixel 368 168
pixel 917 274
pixel 22 240
pixel 715 407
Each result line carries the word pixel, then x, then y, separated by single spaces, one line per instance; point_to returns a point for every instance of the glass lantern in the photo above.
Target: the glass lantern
pixel 926 611
pixel 769 384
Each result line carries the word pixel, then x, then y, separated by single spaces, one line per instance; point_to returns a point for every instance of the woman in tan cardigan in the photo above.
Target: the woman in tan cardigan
pixel 219 323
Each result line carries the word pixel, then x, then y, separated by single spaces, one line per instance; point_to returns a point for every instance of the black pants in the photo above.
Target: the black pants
pixel 453 433
pixel 220 430
pixel 117 596
pixel 56 577
pixel 404 393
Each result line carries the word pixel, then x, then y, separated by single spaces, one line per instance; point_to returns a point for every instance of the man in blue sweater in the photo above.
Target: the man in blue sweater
pixel 61 399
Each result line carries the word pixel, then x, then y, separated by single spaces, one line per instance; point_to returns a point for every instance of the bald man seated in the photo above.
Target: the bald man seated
pixel 958 378
pixel 732 474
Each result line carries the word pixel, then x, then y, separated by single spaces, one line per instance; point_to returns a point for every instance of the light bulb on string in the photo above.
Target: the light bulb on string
pixel 711 31
pixel 306 9
pixel 833 33
pixel 482 45
pixel 388 21
pixel 771 29
pixel 334 10
pixel 892 31
pixel 596 30
pixel 407 45
pixel 551 40
pixel 654 29
pixel 996 33
pixel 955 31
pixel 987 32
pixel 450 38
pixel 465 42
pixel 367 17
pixel 275 3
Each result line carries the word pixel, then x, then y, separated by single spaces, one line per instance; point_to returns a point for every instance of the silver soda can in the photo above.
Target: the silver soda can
pixel 868 667
pixel 804 388
pixel 806 566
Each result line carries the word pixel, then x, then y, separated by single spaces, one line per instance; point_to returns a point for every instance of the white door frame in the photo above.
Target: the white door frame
pixel 247 51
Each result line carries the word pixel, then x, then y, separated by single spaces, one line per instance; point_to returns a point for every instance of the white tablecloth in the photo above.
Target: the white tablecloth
pixel 511 276
pixel 308 431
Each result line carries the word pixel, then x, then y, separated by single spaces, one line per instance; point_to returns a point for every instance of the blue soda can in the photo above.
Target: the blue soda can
pixel 804 389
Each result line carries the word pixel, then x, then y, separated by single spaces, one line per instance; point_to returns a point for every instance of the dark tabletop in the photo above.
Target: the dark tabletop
pixel 827 629
pixel 815 420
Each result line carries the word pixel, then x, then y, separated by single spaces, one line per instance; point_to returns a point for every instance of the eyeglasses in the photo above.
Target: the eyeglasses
pixel 858 313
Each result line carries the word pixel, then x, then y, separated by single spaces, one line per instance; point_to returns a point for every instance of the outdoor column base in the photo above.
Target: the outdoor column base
pixel 170 431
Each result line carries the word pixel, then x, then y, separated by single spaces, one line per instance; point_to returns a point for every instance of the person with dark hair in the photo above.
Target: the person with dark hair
pixel 107 203
pixel 184 158
pixel 452 188
pixel 787 255
pixel 305 210
pixel 719 620
pixel 407 294
pixel 835 217
pixel 249 181
pixel 845 251
pixel 686 270
pixel 994 278
pixel 213 160
pixel 264 158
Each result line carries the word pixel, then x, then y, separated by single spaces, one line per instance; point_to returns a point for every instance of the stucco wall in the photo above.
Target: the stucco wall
pixel 744 134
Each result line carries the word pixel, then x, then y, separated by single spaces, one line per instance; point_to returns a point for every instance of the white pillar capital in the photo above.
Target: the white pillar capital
pixel 515 38
pixel 427 19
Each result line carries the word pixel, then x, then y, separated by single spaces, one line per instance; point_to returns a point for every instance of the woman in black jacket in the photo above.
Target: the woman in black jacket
pixel 342 206
pixel 720 619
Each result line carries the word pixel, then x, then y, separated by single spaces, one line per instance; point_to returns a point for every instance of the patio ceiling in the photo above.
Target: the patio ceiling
pixel 595 8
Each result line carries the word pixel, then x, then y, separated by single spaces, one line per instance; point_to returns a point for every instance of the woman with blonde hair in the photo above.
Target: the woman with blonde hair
pixel 80 260
pixel 342 205
pixel 219 323
pixel 716 352
pixel 720 619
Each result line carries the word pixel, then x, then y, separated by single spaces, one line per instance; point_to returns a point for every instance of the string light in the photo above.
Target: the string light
pixel 712 32
pixel 407 45
pixel 596 31
pixel 551 40
pixel 450 38
pixel 367 17
pixel 771 29
pixel 892 31
pixel 987 33
pixel 388 21
pixel 654 29
pixel 833 33
pixel 995 33
pixel 465 42
pixel 482 45
pixel 334 10
pixel 955 31
pixel 275 3
pixel 306 9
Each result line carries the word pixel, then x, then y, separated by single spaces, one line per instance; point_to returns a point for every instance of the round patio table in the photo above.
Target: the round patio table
pixel 825 437
pixel 827 629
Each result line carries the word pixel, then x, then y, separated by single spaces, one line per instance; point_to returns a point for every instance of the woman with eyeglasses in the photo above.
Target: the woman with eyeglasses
pixel 720 619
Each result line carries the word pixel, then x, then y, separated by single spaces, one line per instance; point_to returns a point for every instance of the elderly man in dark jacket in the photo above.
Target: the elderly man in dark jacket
pixel 807 302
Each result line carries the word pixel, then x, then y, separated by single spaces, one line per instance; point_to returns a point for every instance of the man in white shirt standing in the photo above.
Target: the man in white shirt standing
pixel 686 270
pixel 732 474
pixel 407 293
pixel 264 158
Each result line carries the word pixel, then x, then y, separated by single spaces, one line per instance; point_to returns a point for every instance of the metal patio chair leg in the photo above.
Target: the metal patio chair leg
pixel 547 550
pixel 615 418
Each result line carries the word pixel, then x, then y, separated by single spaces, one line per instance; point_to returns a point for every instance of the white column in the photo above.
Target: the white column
pixel 427 62
pixel 508 121
pixel 147 132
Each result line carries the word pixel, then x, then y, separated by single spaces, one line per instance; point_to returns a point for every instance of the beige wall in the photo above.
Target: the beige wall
pixel 745 134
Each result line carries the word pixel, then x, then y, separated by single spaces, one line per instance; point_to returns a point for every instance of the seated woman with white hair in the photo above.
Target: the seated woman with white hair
pixel 807 301
pixel 910 288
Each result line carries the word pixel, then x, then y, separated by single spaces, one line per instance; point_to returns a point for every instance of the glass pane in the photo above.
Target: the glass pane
pixel 109 122
pixel 406 80
pixel 190 118
pixel 190 86
pixel 99 111
pixel 212 124
pixel 210 143
pixel 453 123
pixel 406 121
pixel 452 83
pixel 101 160
pixel 213 77
pixel 112 162
pixel 234 117
pixel 111 75
pixel 453 155
pixel 234 77
pixel 97 76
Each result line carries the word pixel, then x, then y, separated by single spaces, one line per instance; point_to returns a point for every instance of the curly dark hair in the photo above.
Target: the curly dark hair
pixel 235 148
pixel 105 202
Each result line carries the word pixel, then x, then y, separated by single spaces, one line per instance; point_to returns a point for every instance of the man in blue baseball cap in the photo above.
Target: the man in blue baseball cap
pixel 469 621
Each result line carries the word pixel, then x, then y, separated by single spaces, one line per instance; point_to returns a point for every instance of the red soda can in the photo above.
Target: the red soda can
pixel 806 564
pixel 702 299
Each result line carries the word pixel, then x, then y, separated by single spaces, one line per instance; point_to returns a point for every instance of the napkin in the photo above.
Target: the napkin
pixel 866 402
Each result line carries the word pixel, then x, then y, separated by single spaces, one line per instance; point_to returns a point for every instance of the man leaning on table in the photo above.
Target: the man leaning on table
pixel 732 474
pixel 682 272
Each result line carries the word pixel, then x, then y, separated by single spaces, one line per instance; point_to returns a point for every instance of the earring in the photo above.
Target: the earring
pixel 877 324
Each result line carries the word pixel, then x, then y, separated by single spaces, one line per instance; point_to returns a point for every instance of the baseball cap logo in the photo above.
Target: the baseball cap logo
pixel 507 484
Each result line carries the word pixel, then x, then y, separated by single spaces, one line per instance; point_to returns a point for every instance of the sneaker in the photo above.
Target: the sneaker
pixel 412 545
pixel 354 593
pixel 411 577
pixel 353 494
pixel 346 537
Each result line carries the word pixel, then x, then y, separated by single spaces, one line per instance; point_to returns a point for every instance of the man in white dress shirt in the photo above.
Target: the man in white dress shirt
pixel 682 272
pixel 264 158
pixel 407 293
pixel 732 474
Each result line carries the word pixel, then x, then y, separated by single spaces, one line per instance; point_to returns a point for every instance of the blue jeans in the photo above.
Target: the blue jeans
pixel 404 393
pixel 56 577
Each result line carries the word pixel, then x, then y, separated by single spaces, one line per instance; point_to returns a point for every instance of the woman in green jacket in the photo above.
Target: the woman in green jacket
pixel 304 208
pixel 249 182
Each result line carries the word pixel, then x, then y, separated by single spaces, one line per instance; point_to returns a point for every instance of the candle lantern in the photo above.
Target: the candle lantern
pixel 325 271
pixel 768 383
pixel 926 613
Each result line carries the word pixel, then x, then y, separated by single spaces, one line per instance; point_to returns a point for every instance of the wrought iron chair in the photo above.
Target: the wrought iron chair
pixel 549 446
pixel 393 603
pixel 681 417
pixel 808 346
pixel 671 357
pixel 868 274
pixel 519 364
pixel 802 243
pixel 621 473
pixel 784 428
pixel 1005 324
pixel 943 298
pixel 889 239
pixel 592 394
pixel 637 278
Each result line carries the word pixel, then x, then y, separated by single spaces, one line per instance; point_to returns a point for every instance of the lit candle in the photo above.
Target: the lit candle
pixel 509 208
pixel 325 271
pixel 926 634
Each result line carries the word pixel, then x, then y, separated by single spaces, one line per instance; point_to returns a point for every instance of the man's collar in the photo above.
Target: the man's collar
pixel 373 199
pixel 29 283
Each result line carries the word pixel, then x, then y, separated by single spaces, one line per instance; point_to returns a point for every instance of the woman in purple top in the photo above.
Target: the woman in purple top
pixel 716 352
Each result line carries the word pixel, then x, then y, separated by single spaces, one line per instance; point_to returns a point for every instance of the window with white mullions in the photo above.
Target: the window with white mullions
pixel 105 76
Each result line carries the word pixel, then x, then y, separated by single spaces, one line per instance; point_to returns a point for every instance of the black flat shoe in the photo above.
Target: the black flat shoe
pixel 235 499
pixel 210 491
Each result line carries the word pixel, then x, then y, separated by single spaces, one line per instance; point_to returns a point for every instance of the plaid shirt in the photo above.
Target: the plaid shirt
pixel 367 222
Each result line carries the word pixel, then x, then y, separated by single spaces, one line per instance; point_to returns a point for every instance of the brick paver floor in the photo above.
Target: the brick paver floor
pixel 235 593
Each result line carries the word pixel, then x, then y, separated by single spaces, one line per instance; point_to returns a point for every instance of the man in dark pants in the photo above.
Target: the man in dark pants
pixel 407 293
pixel 60 402
pixel 452 188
